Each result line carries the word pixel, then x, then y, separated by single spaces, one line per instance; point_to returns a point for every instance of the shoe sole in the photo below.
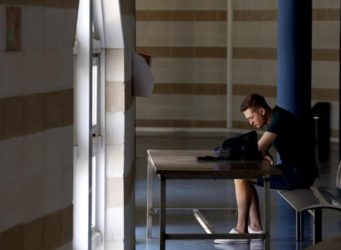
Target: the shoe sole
pixel 222 241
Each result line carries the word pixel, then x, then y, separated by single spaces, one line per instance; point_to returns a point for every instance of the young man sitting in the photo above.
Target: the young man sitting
pixel 292 142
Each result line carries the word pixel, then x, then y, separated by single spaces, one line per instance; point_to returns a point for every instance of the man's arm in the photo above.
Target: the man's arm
pixel 264 144
pixel 265 141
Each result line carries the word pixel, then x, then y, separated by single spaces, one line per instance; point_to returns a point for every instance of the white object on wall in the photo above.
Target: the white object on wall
pixel 143 81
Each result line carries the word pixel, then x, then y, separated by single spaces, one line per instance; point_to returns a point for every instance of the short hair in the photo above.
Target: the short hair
pixel 253 101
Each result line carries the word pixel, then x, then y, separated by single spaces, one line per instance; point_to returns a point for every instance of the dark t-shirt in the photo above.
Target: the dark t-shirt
pixel 293 141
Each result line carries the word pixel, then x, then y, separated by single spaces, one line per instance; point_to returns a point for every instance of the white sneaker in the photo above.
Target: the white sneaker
pixel 255 232
pixel 233 231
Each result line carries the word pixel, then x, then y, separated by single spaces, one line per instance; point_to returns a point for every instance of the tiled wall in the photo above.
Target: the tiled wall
pixel 36 123
pixel 187 40
pixel 120 136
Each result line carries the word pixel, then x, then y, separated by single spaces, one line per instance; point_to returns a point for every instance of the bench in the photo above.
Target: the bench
pixel 313 200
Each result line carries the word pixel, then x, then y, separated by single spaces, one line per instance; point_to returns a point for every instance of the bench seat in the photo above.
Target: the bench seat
pixel 313 200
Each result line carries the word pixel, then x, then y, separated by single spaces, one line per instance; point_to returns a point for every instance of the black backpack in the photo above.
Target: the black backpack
pixel 242 147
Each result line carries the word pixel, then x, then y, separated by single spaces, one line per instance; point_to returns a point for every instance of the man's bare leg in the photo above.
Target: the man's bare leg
pixel 255 220
pixel 244 198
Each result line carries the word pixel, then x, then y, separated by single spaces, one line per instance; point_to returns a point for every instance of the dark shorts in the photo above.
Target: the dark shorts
pixel 292 178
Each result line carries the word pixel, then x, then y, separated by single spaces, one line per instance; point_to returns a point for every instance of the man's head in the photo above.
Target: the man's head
pixel 256 110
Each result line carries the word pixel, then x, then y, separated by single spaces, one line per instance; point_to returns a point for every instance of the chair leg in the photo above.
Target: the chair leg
pixel 299 226
pixel 317 225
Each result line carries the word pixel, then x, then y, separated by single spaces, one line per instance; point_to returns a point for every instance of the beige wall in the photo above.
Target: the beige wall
pixel 187 40
pixel 36 124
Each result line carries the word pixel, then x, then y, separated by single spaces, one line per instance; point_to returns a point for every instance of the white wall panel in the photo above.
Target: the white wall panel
pixel 115 128
pixel 325 74
pixel 325 34
pixel 2 28
pixel 33 27
pixel 53 149
pixel 12 206
pixel 201 107
pixel 174 70
pixel 255 34
pixel 13 65
pixel 32 198
pixel 252 71
pixel 14 165
pixel 52 191
pixel 181 4
pixel 53 27
pixel 33 151
pixel 33 71
pixel 255 4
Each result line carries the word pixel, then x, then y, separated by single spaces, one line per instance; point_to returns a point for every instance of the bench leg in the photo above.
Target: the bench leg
pixel 299 226
pixel 317 225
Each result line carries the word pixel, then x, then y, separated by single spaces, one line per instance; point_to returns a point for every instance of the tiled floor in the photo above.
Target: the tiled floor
pixel 219 193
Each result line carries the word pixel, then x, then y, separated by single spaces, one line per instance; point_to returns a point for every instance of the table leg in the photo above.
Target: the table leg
pixel 149 222
pixel 267 214
pixel 162 213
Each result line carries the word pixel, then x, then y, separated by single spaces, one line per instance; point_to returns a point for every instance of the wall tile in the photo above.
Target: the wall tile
pixel 67 104
pixel 1 73
pixel 52 70
pixel 33 235
pixel 33 154
pixel 69 28
pixel 115 128
pixel 12 207
pixel 14 167
pixel 67 145
pixel 1 146
pixel 67 77
pixel 115 224
pixel 53 30
pixel 2 28
pixel 32 27
pixel 52 192
pixel 13 238
pixel 2 215
pixel 115 192
pixel 13 114
pixel 115 65
pixel 52 230
pixel 34 113
pixel 67 225
pixel 67 186
pixel 325 74
pixel 32 199
pixel 13 79
pixel 53 109
pixel 115 97
pixel 52 149
pixel 115 160
pixel 33 74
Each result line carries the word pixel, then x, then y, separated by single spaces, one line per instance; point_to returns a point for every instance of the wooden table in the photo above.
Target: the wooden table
pixel 183 164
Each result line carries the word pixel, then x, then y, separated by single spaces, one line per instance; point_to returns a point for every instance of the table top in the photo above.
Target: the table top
pixel 184 164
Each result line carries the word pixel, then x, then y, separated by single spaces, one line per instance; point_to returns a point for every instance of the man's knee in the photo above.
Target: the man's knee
pixel 242 182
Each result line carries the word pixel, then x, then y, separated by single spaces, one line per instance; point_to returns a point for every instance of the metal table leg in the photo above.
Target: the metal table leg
pixel 149 222
pixel 162 213
pixel 267 214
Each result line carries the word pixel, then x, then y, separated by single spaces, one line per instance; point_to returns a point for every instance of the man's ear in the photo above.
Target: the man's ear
pixel 262 111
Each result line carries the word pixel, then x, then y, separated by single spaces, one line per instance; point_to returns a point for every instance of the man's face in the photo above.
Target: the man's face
pixel 255 116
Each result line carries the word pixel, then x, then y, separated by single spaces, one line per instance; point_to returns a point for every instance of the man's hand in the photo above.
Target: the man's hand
pixel 268 158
